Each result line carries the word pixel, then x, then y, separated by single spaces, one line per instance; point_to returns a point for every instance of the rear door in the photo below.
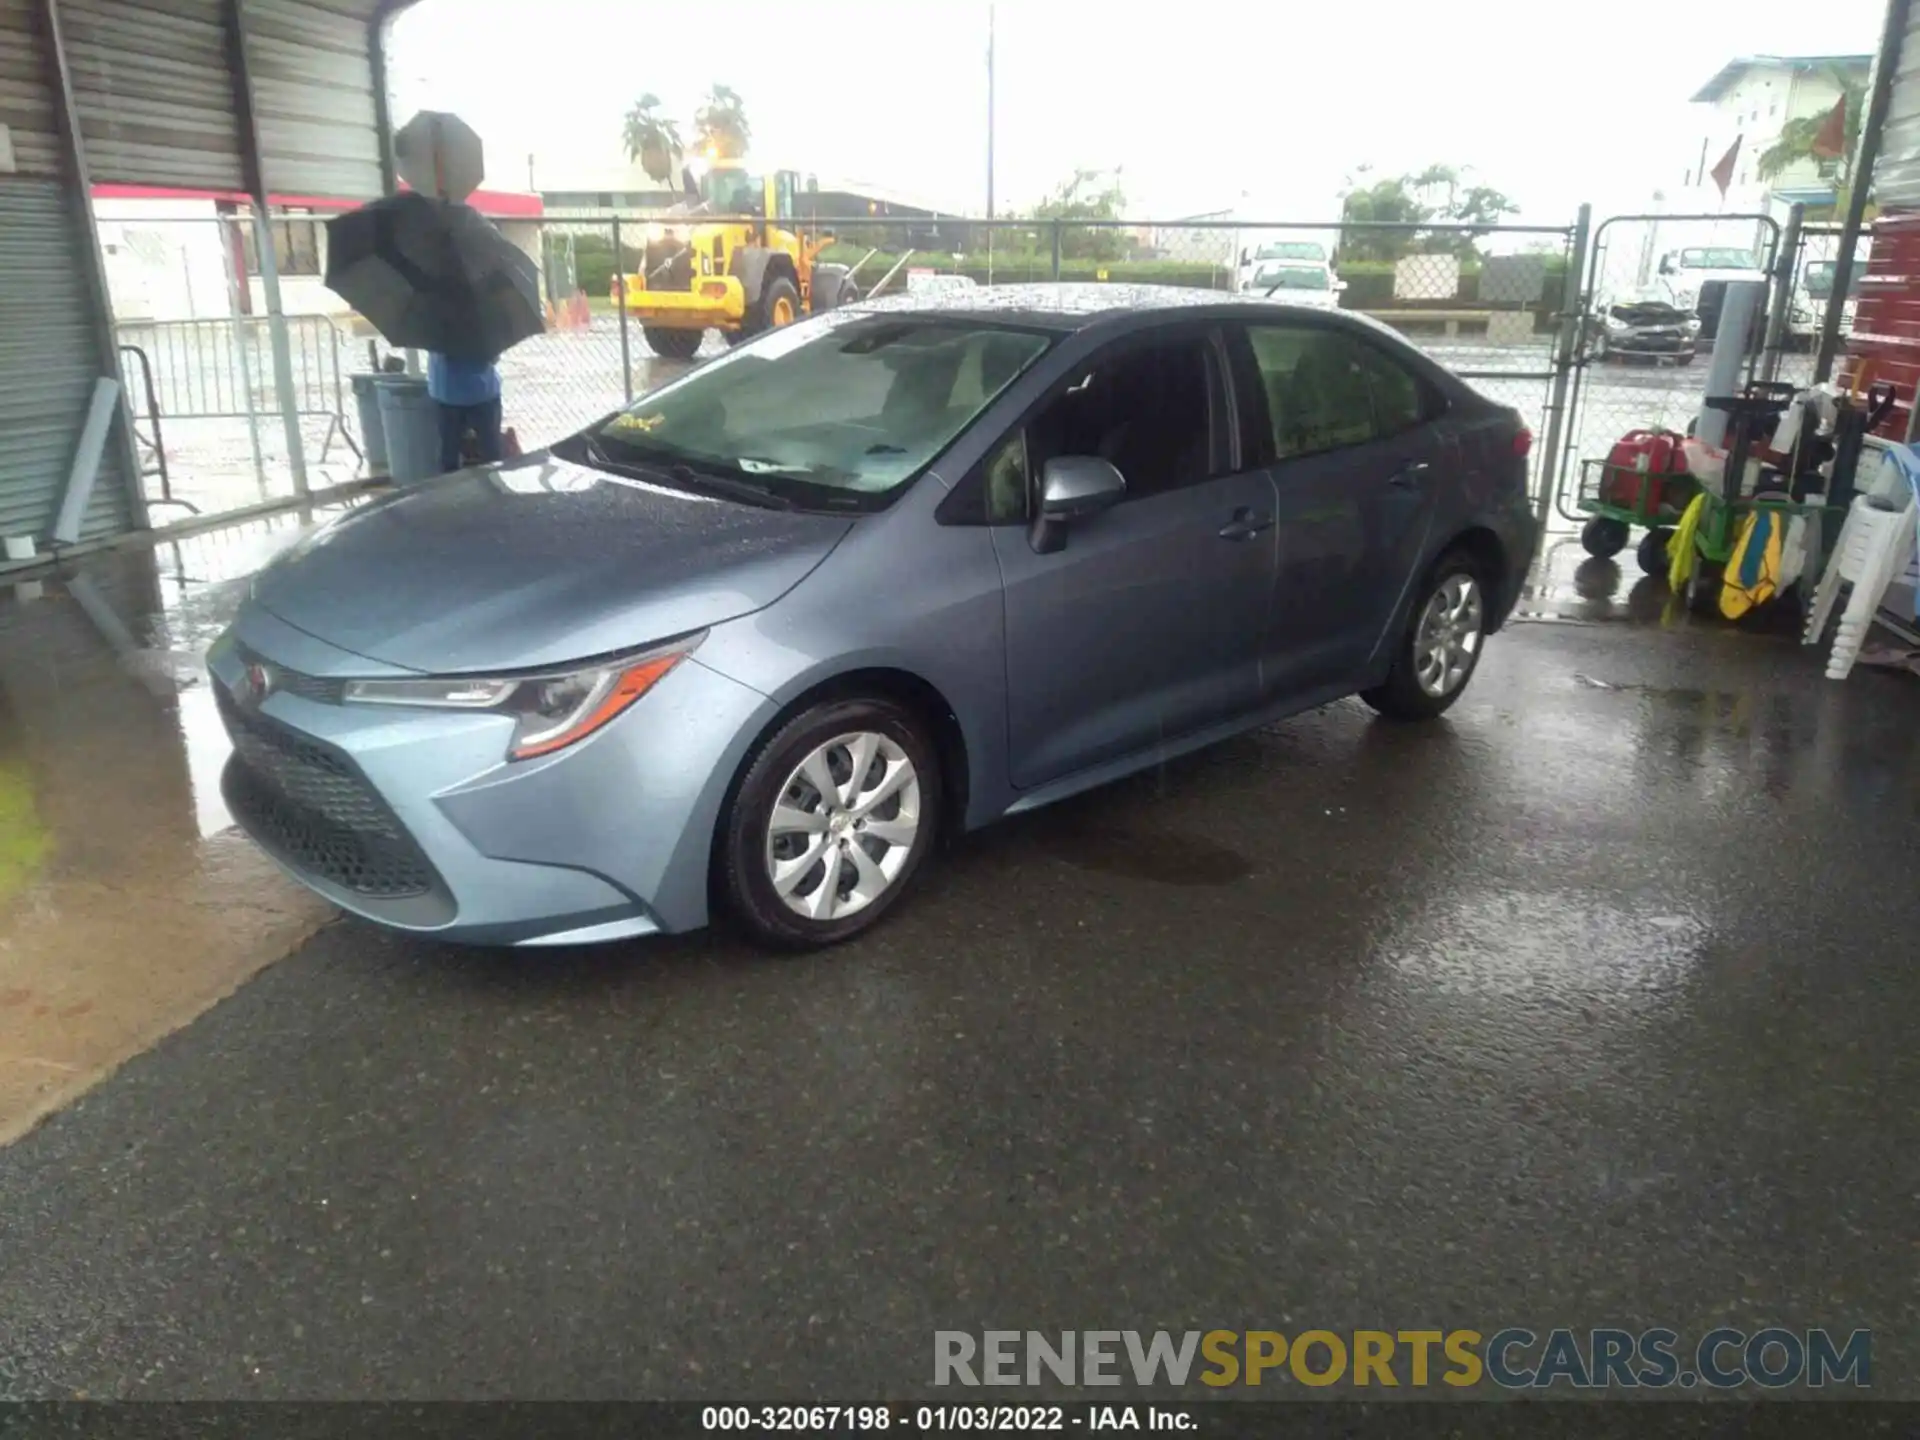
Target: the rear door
pixel 1348 431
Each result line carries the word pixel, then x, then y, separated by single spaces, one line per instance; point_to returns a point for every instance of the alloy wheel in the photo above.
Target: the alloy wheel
pixel 1448 637
pixel 844 826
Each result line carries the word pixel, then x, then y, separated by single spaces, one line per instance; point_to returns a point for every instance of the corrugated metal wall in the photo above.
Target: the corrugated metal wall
pixel 26 98
pixel 49 360
pixel 152 86
pixel 1896 175
pixel 313 90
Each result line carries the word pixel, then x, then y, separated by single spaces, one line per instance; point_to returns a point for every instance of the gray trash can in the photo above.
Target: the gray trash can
pixel 373 435
pixel 411 421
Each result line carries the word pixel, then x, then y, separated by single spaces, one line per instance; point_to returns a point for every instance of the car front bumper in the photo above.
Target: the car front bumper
pixel 414 818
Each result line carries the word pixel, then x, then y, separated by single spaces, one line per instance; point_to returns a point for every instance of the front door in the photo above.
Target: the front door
pixel 1147 624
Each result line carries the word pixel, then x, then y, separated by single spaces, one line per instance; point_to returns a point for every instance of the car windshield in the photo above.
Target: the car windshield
pixel 1291 250
pixel 1290 277
pixel 838 411
pixel 1723 258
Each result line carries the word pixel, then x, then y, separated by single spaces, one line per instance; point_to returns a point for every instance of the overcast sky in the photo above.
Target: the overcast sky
pixel 1244 104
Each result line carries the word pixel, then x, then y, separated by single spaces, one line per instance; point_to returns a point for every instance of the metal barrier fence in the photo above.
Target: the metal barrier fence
pixel 222 370
pixel 1488 301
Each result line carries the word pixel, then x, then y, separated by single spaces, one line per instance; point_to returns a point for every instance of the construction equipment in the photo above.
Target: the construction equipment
pixel 732 261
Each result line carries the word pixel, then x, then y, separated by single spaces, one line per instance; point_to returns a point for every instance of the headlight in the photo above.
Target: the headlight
pixel 551 711
pixel 1692 325
pixel 1614 323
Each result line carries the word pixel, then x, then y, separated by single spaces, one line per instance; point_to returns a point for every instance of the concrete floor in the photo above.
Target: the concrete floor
pixel 1592 1004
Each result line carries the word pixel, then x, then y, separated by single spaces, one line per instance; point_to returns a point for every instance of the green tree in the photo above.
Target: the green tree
pixel 1088 195
pixel 720 126
pixel 652 139
pixel 1795 142
pixel 1437 195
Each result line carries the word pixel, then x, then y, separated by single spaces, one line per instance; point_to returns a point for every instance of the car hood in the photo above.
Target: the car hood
pixel 541 562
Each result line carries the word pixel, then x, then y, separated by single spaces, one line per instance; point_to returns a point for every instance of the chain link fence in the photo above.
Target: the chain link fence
pixel 1485 301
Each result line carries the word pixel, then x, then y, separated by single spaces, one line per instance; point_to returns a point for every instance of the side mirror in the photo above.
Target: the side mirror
pixel 1073 487
pixel 1246 257
pixel 688 183
pixel 1666 264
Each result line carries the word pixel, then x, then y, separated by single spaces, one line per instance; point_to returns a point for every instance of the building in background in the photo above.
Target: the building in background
pixel 1752 99
pixel 177 254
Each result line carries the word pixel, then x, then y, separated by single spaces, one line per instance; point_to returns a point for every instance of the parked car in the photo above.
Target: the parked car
pixel 895 571
pixel 1298 283
pixel 1641 325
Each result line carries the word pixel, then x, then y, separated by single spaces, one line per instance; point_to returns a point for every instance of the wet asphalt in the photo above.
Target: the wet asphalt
pixel 1594 1004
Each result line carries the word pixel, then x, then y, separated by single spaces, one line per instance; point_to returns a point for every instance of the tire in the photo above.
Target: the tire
pixel 1652 552
pixel 793 909
pixel 1454 593
pixel 778 296
pixel 670 343
pixel 1603 538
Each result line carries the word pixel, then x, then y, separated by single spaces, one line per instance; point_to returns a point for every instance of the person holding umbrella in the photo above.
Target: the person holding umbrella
pixel 468 394
pixel 431 273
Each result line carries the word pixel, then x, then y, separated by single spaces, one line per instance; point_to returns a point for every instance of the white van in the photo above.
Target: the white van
pixel 1289 248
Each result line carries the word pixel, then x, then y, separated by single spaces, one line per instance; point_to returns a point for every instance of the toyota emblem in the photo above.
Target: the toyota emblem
pixel 256 683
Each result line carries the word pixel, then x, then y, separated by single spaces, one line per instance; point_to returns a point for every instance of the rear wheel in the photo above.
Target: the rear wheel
pixel 1445 633
pixel 672 344
pixel 830 823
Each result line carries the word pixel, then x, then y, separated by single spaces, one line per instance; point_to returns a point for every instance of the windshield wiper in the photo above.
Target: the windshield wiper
pixel 710 480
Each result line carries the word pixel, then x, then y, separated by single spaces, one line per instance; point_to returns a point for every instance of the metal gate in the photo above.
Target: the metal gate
pixel 1627 255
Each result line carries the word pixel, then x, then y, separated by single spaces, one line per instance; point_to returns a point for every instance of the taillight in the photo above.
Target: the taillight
pixel 1523 442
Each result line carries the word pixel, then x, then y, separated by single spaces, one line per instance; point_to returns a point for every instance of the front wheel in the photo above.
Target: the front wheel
pixel 1441 648
pixel 830 823
pixel 672 344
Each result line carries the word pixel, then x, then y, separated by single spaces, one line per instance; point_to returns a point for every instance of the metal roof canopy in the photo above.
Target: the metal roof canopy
pixel 203 92
pixel 249 95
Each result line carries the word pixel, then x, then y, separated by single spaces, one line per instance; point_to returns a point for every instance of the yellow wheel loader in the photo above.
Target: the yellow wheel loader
pixel 742 272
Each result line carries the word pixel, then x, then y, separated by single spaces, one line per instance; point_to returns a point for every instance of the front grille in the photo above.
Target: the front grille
pixel 292 682
pixel 307 802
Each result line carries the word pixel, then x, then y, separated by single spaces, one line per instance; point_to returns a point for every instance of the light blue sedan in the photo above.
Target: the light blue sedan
pixel 758 641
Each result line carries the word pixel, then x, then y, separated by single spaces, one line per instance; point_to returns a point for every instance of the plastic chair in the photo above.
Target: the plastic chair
pixel 1875 545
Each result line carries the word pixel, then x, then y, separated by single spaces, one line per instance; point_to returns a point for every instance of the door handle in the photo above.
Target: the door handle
pixel 1246 524
pixel 1410 474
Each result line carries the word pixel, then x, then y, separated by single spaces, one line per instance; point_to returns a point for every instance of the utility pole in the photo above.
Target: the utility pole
pixel 989 110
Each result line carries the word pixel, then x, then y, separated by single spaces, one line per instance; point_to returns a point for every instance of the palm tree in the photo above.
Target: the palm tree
pixel 1795 142
pixel 652 140
pixel 720 126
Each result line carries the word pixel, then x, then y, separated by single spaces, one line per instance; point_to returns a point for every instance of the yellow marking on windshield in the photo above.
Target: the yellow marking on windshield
pixel 637 422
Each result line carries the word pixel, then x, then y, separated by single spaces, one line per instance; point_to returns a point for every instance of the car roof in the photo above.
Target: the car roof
pixel 1071 305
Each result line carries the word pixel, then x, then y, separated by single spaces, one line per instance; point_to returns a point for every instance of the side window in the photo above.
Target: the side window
pixel 1146 409
pixel 1326 390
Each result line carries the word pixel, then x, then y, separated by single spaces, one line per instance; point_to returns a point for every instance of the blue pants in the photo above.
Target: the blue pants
pixel 456 420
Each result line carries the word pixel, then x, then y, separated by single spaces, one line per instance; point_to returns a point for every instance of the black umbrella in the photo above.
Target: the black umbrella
pixel 434 275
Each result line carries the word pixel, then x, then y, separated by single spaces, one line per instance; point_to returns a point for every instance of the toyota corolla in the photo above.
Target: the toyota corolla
pixel 756 642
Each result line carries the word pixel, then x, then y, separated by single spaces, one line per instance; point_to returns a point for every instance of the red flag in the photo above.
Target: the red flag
pixel 1831 142
pixel 1722 174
